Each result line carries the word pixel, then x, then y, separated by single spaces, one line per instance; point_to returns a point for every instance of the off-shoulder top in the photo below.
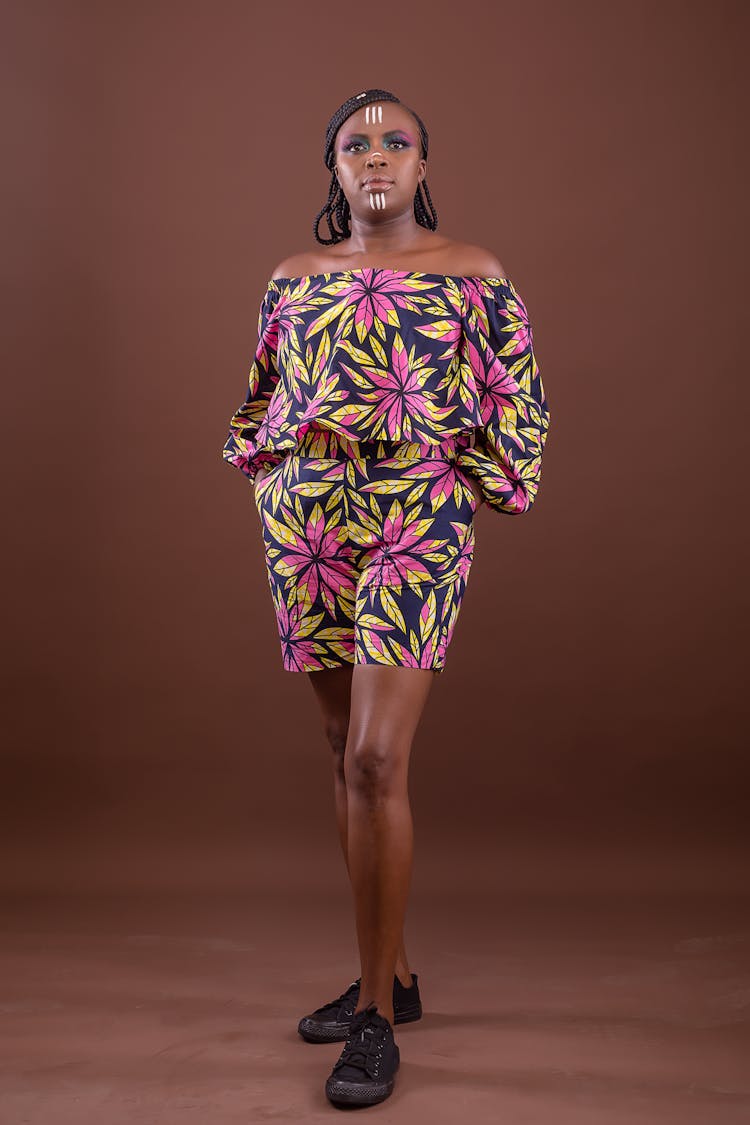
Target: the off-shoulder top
pixel 400 355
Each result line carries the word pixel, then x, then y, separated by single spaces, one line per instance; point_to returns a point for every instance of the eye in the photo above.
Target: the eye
pixel 353 146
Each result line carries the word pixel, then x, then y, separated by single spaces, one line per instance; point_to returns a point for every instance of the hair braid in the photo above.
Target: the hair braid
pixel 425 211
pixel 331 205
pixel 337 206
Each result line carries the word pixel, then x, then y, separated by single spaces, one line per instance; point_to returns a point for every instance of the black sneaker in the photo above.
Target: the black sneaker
pixel 330 1024
pixel 365 1071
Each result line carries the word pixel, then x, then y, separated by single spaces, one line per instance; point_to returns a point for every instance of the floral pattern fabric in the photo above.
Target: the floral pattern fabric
pixel 403 356
pixel 368 549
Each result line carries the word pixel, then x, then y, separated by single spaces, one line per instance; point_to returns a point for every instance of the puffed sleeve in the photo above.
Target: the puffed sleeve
pixel 244 447
pixel 497 345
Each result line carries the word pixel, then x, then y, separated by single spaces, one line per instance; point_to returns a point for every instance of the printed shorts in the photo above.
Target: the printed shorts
pixel 368 547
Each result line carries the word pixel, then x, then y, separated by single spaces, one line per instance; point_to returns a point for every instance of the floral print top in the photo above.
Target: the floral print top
pixel 400 355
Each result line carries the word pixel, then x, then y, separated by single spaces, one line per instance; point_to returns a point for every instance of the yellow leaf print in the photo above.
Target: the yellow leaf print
pixel 520 371
pixel 507 424
pixel 357 377
pixel 325 318
pixel 370 621
pixel 376 648
pixel 402 654
pixel 324 348
pixel 280 531
pixel 388 487
pixel 312 488
pixel 357 355
pixel 390 606
pixel 428 615
pixel 438 330
pixel 378 351
pixel 308 624
pixel 351 415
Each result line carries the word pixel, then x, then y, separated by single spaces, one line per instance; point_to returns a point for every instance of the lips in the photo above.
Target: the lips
pixel 377 182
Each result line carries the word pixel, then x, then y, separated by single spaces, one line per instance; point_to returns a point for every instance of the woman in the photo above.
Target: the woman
pixel 394 390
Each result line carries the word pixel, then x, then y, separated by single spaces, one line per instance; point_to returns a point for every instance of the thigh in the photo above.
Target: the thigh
pixel 386 706
pixel 332 688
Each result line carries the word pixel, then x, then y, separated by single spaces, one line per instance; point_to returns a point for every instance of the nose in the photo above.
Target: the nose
pixel 371 158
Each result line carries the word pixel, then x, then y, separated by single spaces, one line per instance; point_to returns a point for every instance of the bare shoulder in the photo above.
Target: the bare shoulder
pixel 297 265
pixel 477 261
pixel 304 264
pixel 437 254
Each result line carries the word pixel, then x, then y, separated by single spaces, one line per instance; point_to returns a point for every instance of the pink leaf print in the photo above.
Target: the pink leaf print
pixel 400 397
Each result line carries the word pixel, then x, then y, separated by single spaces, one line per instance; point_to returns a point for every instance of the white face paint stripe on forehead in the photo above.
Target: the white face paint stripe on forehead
pixel 377 114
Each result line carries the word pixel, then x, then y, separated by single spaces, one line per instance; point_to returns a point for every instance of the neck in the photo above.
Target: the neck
pixel 398 232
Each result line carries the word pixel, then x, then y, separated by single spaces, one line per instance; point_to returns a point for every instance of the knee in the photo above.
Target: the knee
pixel 336 734
pixel 371 769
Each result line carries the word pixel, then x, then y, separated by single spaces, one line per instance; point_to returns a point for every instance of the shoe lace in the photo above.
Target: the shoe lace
pixel 344 998
pixel 364 1043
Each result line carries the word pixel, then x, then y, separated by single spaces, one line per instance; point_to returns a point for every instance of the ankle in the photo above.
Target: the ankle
pixel 383 1009
pixel 403 974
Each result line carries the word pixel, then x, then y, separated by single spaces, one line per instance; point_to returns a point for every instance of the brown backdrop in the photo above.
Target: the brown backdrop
pixel 162 159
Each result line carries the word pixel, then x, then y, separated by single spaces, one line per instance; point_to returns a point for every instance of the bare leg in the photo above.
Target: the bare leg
pixel 332 688
pixel 386 706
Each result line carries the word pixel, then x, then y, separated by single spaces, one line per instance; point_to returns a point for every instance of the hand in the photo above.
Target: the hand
pixel 473 484
pixel 262 472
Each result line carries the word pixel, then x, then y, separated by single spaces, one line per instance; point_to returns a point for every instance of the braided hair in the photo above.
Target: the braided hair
pixel 337 206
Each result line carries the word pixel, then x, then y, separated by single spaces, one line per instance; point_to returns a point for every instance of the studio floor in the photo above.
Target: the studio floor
pixel 539 1009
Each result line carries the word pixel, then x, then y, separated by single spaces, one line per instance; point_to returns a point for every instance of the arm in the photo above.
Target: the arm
pixel 244 444
pixel 498 346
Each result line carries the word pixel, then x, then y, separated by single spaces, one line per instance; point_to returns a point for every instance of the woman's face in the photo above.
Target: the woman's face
pixel 379 140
